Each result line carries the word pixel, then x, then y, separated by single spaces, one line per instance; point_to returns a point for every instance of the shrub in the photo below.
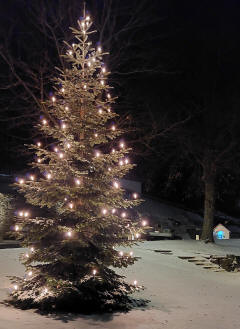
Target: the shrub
pixel 6 216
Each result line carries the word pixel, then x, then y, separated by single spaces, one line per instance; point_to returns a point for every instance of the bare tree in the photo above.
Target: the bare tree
pixel 32 45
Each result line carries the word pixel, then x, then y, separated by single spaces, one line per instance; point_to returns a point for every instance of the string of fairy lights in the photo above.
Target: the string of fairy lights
pixel 62 154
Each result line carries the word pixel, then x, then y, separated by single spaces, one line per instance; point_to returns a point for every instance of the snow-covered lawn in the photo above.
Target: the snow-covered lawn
pixel 183 295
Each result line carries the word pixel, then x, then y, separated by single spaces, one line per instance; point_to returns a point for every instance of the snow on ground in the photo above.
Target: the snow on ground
pixel 163 211
pixel 166 216
pixel 183 295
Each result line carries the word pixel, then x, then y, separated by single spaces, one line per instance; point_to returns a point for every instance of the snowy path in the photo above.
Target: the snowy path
pixel 183 295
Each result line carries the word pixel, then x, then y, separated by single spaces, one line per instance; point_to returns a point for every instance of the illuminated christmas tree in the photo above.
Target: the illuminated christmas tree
pixel 76 177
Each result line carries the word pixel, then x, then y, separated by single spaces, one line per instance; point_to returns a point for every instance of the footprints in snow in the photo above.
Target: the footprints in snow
pixel 200 260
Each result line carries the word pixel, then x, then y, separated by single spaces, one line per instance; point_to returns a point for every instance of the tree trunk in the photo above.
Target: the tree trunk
pixel 209 203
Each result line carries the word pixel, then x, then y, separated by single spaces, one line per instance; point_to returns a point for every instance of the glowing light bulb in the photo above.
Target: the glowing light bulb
pixel 126 161
pixel 121 145
pixel 108 96
pixel 121 253
pixel 39 160
pixel 70 205
pixel 83 24
pixel 96 135
pixel 53 99
pixel 21 181
pixel 85 87
pixel 113 128
pixel 89 43
pixel 69 234
pixel 100 111
pixel 94 272
pixel 66 108
pixel 77 181
pixel 68 145
pixel 144 223
pixel 99 49
pixel 61 155
pixel 102 82
pixel 64 125
pixel 44 122
pixel 31 177
pixel 97 154
pixel 62 90
pixel 30 273
pixel 87 18
pixel 32 249
pixel 20 213
pixel 65 199
pixel 131 253
pixel 89 64
pixel 135 282
pixel 120 163
pixel 113 211
pixel 123 215
pixel 73 45
pixel 137 235
pixel 27 255
pixel 15 287
pixel 16 228
pixel 109 169
pixel 55 149
pixel 113 150
pixel 26 214
pixel 94 59
pixel 135 195
pixel 103 70
pixel 116 184
pixel 39 144
pixel 109 110
pixel 104 211
pixel 70 52
pixel 49 176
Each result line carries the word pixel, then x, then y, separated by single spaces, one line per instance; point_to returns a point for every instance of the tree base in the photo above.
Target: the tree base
pixel 91 295
pixel 208 241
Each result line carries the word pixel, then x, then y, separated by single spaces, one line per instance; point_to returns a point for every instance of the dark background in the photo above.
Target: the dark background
pixel 176 71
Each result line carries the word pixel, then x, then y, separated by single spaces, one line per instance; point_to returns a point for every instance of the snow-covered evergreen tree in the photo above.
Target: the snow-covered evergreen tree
pixel 75 179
